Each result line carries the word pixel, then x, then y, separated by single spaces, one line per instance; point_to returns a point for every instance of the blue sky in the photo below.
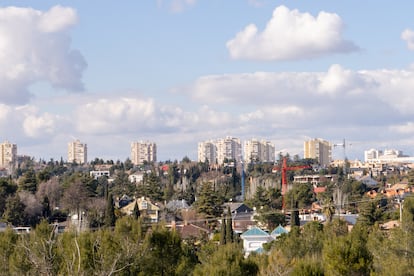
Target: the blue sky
pixel 177 72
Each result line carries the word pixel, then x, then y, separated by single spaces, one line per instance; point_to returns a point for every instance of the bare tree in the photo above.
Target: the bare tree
pixel 33 207
pixel 75 200
pixel 52 190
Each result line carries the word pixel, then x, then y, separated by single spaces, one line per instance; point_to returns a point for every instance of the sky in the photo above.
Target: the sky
pixel 178 72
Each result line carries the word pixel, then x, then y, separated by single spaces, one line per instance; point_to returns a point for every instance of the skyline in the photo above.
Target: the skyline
pixel 180 72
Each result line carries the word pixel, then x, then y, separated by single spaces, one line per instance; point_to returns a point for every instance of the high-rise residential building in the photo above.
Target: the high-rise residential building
pixel 220 150
pixel 228 148
pixel 207 151
pixel 318 149
pixel 8 154
pixel 259 151
pixel 143 151
pixel 77 152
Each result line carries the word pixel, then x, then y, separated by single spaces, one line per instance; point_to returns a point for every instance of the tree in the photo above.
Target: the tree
pixel 276 263
pixel 308 266
pixel 348 255
pixel 110 212
pixel 208 202
pixel 229 227
pixel 135 212
pixel 8 241
pixel 226 260
pixel 151 187
pixel 336 228
pixel 302 194
pixel 7 188
pixel 223 232
pixel 40 251
pixel 75 197
pixel 46 212
pixel 14 211
pixel 370 212
pixel 52 190
pixel 162 252
pixel 28 181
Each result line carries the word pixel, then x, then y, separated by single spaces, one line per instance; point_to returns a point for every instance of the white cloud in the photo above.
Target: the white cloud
pixel 408 36
pixel 309 100
pixel 57 19
pixel 117 115
pixel 276 106
pixel 39 126
pixel 340 80
pixel 290 34
pixel 35 46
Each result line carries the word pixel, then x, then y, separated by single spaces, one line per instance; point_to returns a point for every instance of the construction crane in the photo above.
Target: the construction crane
pixel 343 145
pixel 284 170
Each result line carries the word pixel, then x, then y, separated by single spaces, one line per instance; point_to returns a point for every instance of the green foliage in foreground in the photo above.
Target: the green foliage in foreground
pixel 133 248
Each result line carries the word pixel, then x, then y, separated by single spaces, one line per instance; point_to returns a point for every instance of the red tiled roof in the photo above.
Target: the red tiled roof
pixel 318 190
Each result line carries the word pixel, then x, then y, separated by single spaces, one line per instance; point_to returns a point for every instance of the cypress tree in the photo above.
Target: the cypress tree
pixel 223 232
pixel 46 212
pixel 110 212
pixel 229 227
pixel 295 220
pixel 136 213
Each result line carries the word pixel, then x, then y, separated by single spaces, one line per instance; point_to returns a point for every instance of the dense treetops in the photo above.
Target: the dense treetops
pixel 41 194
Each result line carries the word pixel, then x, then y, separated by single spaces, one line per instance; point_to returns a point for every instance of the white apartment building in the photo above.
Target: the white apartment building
pixel 219 150
pixel 8 153
pixel 143 151
pixel 386 156
pixel 259 151
pixel 228 148
pixel 372 154
pixel 318 149
pixel 207 151
pixel 77 152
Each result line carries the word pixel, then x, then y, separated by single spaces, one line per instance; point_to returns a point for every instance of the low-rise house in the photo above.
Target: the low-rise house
pixel 242 216
pixel 314 179
pixel 177 205
pixel 304 218
pixel 123 201
pixel 99 173
pixel 397 190
pixel 193 232
pixel 150 211
pixel 253 240
pixel 367 180
pixel 280 230
pixel 136 177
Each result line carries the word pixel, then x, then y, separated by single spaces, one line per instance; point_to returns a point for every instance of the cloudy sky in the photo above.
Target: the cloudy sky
pixel 177 72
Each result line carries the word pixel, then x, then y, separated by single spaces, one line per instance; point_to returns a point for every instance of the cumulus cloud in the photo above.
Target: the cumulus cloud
pixel 408 36
pixel 338 96
pixel 118 115
pixel 26 121
pixel 290 34
pixel 340 80
pixel 35 46
pixel 36 126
